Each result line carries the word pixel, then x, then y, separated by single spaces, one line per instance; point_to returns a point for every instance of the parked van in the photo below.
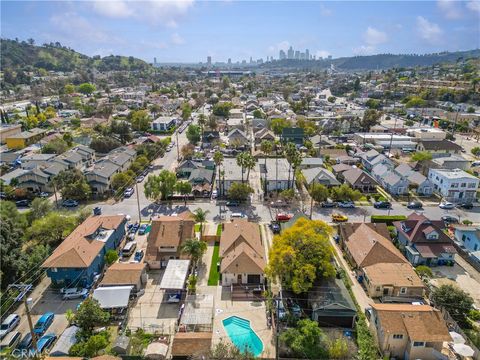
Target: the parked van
pixel 129 248
pixel 237 215
pixel 11 340
pixel 9 324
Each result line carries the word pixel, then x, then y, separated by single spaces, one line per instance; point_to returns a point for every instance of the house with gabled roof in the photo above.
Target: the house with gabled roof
pixel 360 180
pixel 424 241
pixel 82 254
pixel 242 253
pixel 237 137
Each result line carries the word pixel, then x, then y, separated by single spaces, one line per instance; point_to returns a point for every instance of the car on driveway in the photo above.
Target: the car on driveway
pixel 138 256
pixel 283 217
pixel 275 226
pixel 26 342
pixel 446 205
pixel 346 204
pixel 142 229
pixel 233 203
pixel 70 203
pixel 382 205
pixel 9 324
pixel 74 293
pixel 128 192
pixel 414 205
pixel 339 218
pixel 140 178
pixel 133 228
pixel 465 205
pixel 43 323
pixel 448 219
pixel 46 342
pixel 328 204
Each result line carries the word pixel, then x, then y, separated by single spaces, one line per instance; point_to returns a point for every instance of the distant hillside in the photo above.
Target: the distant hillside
pixel 380 61
pixel 22 56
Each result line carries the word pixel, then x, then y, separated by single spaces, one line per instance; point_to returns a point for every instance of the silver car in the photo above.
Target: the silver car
pixel 74 293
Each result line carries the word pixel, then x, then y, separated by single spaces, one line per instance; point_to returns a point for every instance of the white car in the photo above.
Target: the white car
pixel 214 194
pixel 74 293
pixel 446 205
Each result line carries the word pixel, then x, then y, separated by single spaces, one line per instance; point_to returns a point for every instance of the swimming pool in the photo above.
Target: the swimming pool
pixel 242 335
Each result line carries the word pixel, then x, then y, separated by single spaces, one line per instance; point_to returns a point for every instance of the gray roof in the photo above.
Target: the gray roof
pixel 188 164
pixel 12 175
pixel 416 178
pixel 392 179
pixel 205 174
pixel 38 157
pixel 65 341
pixel 104 168
pixel 54 168
pixel 277 168
pixel 310 161
pixel 232 170
pixel 320 175
pixel 237 132
pixel 357 176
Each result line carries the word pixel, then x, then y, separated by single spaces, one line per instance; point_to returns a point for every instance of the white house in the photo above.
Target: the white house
pixel 454 185
pixel 276 173
pixel 164 123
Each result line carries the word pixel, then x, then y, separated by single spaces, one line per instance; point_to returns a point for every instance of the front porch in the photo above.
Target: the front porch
pixel 247 292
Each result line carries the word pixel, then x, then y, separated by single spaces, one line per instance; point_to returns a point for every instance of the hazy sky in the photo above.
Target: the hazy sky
pixel 189 31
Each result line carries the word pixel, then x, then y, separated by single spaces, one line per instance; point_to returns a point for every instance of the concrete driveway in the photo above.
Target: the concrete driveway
pixel 457 275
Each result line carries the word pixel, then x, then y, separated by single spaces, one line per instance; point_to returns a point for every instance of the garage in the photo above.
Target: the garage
pixel 253 279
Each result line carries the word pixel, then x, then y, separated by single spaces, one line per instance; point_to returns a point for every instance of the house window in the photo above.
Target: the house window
pixel 418 343
pixel 472 185
pixel 464 185
pixel 397 336
pixel 403 290
pixel 54 270
pixel 378 288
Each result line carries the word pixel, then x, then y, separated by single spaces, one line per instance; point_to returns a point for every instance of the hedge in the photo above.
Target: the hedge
pixel 387 219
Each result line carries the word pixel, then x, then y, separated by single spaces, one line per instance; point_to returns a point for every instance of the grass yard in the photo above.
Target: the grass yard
pixel 214 275
pixel 219 230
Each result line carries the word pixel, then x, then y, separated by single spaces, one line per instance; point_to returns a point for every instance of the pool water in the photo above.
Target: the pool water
pixel 242 335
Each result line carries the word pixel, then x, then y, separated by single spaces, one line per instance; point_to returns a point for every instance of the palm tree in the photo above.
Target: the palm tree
pixel 184 188
pixel 218 159
pixel 249 163
pixel 200 216
pixel 241 162
pixel 266 147
pixel 294 158
pixel 195 249
pixel 202 121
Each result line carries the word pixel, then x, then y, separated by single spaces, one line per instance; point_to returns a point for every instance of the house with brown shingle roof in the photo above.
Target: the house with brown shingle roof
pixel 424 241
pixel 406 331
pixel 81 255
pixel 166 236
pixel 383 268
pixel 123 274
pixel 242 253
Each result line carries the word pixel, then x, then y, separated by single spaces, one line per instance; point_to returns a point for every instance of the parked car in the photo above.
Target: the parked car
pixel 142 229
pixel 339 218
pixel 74 293
pixel 128 192
pixel 214 194
pixel 9 324
pixel 22 203
pixel 233 203
pixel 44 194
pixel 414 205
pixel 465 205
pixel 10 341
pixel 46 342
pixel 138 256
pixel 173 298
pixel 446 205
pixel 448 219
pixel 26 342
pixel 133 228
pixel 97 211
pixel 43 323
pixel 328 204
pixel 346 204
pixel 382 205
pixel 70 203
pixel 283 217
pixel 275 226
pixel 237 215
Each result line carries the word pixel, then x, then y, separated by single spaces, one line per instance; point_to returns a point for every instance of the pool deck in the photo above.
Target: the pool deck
pixel 252 311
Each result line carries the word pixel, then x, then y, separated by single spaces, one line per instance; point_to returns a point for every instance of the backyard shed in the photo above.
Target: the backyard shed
pixel 121 345
pixel 65 341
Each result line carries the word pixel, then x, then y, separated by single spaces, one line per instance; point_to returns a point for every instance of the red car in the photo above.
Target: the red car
pixel 284 217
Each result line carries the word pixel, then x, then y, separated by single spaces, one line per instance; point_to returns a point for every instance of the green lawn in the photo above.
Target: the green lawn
pixel 219 230
pixel 214 275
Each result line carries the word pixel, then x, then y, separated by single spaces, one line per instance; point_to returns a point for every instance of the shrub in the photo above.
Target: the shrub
pixel 424 271
pixel 387 219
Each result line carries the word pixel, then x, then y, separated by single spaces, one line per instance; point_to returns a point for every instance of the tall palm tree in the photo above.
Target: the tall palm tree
pixel 200 216
pixel 249 163
pixel 195 249
pixel 293 157
pixel 266 147
pixel 241 162
pixel 202 121
pixel 218 159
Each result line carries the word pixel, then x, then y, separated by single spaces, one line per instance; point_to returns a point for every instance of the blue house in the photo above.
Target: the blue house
pixel 82 254
pixel 295 135
pixel 469 236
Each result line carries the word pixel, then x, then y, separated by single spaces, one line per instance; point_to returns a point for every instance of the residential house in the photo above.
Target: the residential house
pixel 454 185
pixel 294 135
pixel 185 168
pixel 359 180
pixel 165 238
pixel 209 137
pixel 25 138
pixel 449 161
pixel 427 134
pixel 242 253
pixel 406 331
pixel 90 123
pixel 9 130
pixel 36 160
pixel 421 183
pixel 237 138
pixel 439 147
pixel 469 236
pixel 258 124
pixel 339 169
pixel 164 123
pixel 125 274
pixel 309 162
pixel 276 173
pixel 232 174
pixel 424 241
pixel 202 182
pixel 319 175
pixel 264 135
pixel 81 255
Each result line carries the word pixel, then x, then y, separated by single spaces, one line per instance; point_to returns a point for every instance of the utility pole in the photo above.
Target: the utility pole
pixel 22 296
pixel 138 203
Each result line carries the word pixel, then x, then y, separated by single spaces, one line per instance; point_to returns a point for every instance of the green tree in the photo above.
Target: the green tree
pixel 55 146
pixel 475 151
pixel 278 124
pixel 415 102
pixel 161 186
pixel 122 129
pixel 69 89
pixel 121 181
pixel 89 315
pixel 222 109
pixel 456 301
pixel 345 193
pixel 301 255
pixel 50 229
pixel 224 351
pixel 421 156
pixel 266 147
pixel 195 249
pixel 11 240
pixel 294 158
pixel 305 340
pixel 373 104
pixel 370 118
pixel 90 347
pixel 202 121
pixel 218 159
pixel 86 88
pixel 104 144
pixel 186 111
pixel 424 271
pixel 331 99
pixel 184 188
pixel 38 209
pixel 111 256
pixel 200 216
pixel 239 191
pixel 141 121
pixel 318 193
pixel 258 114
pixel 193 133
